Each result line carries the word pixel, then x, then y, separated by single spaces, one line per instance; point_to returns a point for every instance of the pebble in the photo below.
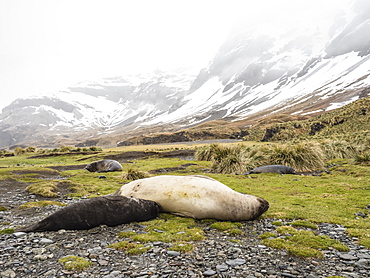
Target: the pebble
pixel 173 253
pixel 19 234
pixel 222 267
pixel 347 257
pixel 236 262
pixel 46 241
pixel 209 272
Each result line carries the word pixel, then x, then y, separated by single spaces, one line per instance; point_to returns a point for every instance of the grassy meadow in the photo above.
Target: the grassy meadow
pixel 338 191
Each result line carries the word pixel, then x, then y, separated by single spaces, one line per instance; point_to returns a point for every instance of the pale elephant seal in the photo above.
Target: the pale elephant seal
pixel 105 165
pixel 198 197
pixel 105 210
pixel 280 169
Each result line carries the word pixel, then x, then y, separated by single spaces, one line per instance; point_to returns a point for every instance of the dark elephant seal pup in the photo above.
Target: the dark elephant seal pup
pixel 198 197
pixel 280 169
pixel 105 210
pixel 105 165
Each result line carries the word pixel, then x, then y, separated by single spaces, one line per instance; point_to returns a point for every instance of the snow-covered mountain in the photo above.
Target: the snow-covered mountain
pixel 93 108
pixel 293 64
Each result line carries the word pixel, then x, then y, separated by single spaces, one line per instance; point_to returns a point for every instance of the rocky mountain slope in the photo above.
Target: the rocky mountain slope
pixel 296 65
pixel 350 122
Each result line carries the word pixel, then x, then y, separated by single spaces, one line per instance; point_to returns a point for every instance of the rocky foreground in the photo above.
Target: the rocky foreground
pixel 220 255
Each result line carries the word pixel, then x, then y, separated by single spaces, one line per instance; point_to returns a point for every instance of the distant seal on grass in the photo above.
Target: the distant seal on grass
pixel 198 197
pixel 280 169
pixel 105 210
pixel 105 165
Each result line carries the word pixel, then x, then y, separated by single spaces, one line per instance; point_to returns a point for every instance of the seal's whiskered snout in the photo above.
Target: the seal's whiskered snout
pixel 260 207
pixel 264 205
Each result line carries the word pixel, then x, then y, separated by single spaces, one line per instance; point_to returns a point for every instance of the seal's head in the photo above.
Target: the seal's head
pixel 92 167
pixel 261 208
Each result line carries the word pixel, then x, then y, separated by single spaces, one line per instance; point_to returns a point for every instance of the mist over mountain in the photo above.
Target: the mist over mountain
pixel 282 62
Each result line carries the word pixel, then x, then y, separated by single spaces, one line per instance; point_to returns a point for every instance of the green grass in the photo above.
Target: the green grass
pixel 301 243
pixel 179 231
pixel 170 228
pixel 225 225
pixel 130 247
pixel 41 204
pixel 134 174
pixel 331 197
pixel 182 247
pixel 6 231
pixel 303 223
pixel 267 235
pixel 74 263
pixel 230 228
pixel 305 201
pixel 44 188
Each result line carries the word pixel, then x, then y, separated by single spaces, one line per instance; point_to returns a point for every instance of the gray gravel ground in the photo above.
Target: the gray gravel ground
pixel 37 254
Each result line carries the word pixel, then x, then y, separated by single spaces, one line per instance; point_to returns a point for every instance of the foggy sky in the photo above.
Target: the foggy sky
pixel 47 45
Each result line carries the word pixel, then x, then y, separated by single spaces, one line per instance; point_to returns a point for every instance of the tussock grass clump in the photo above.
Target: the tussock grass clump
pixel 206 152
pixel 45 188
pixel 234 159
pixel 2 208
pixel 230 159
pixel 362 157
pixel 338 149
pixel 304 156
pixel 302 243
pixel 5 153
pixel 30 149
pixel 134 174
pixel 65 149
pixel 79 189
pixel 230 164
pixel 19 151
pixel 74 263
pixel 69 149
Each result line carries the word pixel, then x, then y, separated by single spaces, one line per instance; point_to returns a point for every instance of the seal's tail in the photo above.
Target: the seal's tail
pixel 26 229
pixel 38 227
